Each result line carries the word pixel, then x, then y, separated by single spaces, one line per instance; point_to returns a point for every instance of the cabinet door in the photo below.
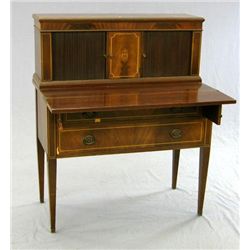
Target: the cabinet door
pixel 78 55
pixel 167 53
pixel 123 54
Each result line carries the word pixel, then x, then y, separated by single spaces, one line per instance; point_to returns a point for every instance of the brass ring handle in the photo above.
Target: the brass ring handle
pixel 89 140
pixel 176 133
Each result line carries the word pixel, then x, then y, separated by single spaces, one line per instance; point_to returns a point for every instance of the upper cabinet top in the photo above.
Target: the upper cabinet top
pixel 75 22
pixel 132 17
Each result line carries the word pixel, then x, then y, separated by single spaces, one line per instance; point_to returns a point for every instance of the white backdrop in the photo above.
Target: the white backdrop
pixel 125 201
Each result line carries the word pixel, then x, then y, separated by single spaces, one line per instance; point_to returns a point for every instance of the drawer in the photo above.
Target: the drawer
pixel 136 136
pixel 92 117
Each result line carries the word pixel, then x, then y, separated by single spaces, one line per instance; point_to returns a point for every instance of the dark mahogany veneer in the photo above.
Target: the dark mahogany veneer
pixel 120 84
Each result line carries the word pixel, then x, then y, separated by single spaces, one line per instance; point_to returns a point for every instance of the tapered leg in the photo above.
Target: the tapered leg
pixel 52 193
pixel 175 165
pixel 40 159
pixel 203 169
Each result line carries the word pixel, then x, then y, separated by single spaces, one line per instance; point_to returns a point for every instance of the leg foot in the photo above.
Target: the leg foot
pixel 175 165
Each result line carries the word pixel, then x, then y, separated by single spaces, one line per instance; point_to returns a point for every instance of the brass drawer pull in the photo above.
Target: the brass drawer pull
pixel 176 133
pixel 89 115
pixel 89 140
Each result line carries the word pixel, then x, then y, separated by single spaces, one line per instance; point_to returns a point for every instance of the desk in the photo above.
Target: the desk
pixel 135 108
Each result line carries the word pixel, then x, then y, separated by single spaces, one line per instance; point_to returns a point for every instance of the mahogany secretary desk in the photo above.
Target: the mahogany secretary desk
pixel 119 84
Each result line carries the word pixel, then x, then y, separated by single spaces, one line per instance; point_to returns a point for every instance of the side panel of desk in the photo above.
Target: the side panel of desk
pixel 46 126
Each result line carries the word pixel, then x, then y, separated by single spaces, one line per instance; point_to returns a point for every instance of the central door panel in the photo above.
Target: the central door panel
pixel 123 54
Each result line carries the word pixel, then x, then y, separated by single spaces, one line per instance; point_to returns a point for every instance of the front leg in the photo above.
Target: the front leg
pixel 52 192
pixel 203 169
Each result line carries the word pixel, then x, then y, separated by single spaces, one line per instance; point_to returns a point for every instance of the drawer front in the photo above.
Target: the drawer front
pixel 126 138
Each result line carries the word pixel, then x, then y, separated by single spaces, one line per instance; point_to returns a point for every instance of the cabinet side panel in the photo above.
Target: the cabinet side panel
pixel 37 52
pixel 78 55
pixel 196 49
pixel 46 56
pixel 42 121
pixel 167 53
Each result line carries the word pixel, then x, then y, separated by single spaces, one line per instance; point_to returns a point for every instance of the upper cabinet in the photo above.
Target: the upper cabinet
pixel 97 48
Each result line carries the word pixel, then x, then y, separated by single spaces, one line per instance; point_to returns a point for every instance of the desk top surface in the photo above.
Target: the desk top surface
pixel 137 97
